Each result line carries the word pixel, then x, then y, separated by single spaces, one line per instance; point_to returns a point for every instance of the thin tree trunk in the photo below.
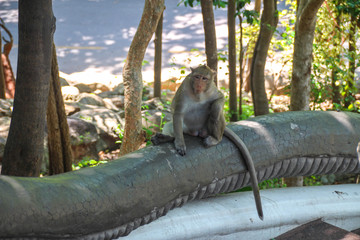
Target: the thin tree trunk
pixel 349 96
pixel 302 58
pixel 241 69
pixel 210 35
pixel 335 85
pixel 133 134
pixel 249 53
pixel 60 155
pixel 2 75
pixel 158 53
pixel 303 44
pixel 232 61
pixel 25 144
pixel 269 20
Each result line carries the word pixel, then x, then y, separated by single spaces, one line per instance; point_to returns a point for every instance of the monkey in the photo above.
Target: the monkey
pixel 197 109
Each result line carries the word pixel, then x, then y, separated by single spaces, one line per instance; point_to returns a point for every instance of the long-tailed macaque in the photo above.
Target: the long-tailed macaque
pixel 198 111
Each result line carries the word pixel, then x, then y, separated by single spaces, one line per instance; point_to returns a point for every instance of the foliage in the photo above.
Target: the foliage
pixel 251 16
pixel 272 183
pixel 149 131
pixel 279 183
pixel 192 3
pixel 333 80
pixel 312 181
pixel 120 132
pixel 248 110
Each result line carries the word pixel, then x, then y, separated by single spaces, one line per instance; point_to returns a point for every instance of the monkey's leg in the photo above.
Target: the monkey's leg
pixel 251 168
pixel 178 124
pixel 215 124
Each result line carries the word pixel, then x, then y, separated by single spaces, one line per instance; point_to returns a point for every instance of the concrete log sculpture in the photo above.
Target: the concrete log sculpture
pixel 111 200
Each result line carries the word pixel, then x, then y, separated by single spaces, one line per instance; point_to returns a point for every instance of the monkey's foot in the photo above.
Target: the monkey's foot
pixel 161 138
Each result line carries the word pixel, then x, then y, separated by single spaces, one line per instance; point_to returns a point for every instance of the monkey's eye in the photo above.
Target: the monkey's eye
pixel 205 78
pixel 197 76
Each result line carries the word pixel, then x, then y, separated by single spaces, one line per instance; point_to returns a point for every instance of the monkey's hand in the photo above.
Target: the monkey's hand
pixel 180 147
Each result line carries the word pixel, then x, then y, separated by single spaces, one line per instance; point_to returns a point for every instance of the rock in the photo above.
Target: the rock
pixel 70 92
pixel 154 119
pixel 90 99
pixel 98 86
pixel 71 109
pixel 108 94
pixel 4 131
pixel 118 101
pixel 119 89
pixel 2 147
pixel 107 123
pixel 6 107
pixel 148 93
pixel 83 137
pixel 155 103
pixel 171 84
pixel 63 82
pixel 81 106
pixel 83 88
pixel 110 105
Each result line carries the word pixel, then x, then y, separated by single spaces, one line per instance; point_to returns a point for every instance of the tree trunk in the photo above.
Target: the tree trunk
pixel 25 144
pixel 241 69
pixel 349 96
pixel 232 61
pixel 60 155
pixel 303 44
pixel 249 53
pixel 335 85
pixel 2 75
pixel 158 52
pixel 269 20
pixel 210 35
pixel 133 134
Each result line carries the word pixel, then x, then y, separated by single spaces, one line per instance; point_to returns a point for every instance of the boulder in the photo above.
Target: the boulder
pixel 6 107
pixel 118 101
pixel 119 89
pixel 107 122
pixel 98 86
pixel 90 99
pixel 71 108
pixel 83 88
pixel 83 137
pixel 70 92
pixel 4 130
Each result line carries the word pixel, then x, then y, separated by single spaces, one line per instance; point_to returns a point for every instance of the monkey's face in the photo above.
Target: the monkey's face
pixel 200 83
pixel 201 79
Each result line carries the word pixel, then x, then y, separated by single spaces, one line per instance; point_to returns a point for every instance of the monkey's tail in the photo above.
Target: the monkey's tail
pixel 250 165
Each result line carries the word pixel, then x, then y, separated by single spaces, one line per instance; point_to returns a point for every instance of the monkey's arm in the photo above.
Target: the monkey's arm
pixel 250 165
pixel 178 119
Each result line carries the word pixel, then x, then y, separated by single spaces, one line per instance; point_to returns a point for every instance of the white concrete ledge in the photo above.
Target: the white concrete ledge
pixel 233 216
